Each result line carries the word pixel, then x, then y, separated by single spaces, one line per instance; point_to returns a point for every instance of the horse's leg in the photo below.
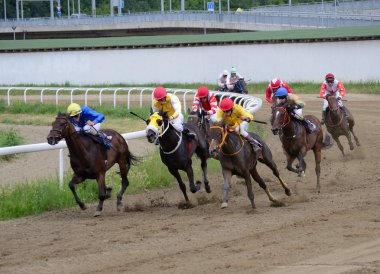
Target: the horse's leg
pixel 102 193
pixel 76 180
pixel 182 186
pixel 317 157
pixel 289 160
pixel 301 164
pixel 204 170
pixel 190 176
pixel 336 139
pixel 124 183
pixel 227 174
pixel 248 183
pixel 255 175
pixel 351 126
pixel 268 161
pixel 348 136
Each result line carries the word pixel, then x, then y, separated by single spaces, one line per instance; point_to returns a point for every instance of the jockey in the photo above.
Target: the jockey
pixel 207 100
pixel 273 86
pixel 222 81
pixel 88 120
pixel 233 78
pixel 332 86
pixel 169 103
pixel 294 108
pixel 237 118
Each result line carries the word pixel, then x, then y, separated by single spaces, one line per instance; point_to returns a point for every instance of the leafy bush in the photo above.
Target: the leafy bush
pixel 9 137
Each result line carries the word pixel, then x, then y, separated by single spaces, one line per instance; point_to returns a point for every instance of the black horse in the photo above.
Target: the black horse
pixel 199 120
pixel 237 157
pixel 338 125
pixel 240 87
pixel 296 142
pixel 90 160
pixel 176 151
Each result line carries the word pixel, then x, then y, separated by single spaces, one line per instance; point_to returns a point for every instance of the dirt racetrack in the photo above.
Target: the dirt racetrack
pixel 336 231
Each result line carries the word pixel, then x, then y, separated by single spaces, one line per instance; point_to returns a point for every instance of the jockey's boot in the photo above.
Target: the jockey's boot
pixel 345 112
pixel 323 117
pixel 255 144
pixel 189 134
pixel 309 126
pixel 106 140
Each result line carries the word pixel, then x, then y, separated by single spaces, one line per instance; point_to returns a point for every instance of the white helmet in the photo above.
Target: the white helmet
pixel 225 72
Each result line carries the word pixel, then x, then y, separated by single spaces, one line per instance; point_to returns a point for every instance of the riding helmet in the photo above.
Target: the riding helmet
pixel 74 109
pixel 226 104
pixel 159 93
pixel 202 92
pixel 329 77
pixel 275 83
pixel 281 92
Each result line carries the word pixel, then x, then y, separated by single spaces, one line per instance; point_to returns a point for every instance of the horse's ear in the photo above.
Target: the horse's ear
pixel 159 122
pixel 151 111
pixel 147 121
pixel 188 110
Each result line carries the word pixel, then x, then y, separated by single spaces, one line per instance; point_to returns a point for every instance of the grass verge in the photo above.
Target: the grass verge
pixel 35 197
pixel 9 137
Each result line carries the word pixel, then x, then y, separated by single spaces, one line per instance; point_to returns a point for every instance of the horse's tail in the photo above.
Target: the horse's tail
pixel 327 142
pixel 132 159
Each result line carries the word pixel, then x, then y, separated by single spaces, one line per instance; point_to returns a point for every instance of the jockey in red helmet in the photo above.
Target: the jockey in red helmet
pixel 273 86
pixel 169 103
pixel 332 86
pixel 207 100
pixel 237 118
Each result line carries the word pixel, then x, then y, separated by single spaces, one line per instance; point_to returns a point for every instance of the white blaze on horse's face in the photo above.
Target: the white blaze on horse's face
pixel 213 148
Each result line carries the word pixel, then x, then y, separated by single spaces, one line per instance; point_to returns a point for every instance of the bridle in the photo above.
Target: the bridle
pixel 224 132
pixel 163 131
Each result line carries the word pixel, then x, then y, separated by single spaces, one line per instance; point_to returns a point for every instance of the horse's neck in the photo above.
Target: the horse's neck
pixel 75 144
pixel 170 138
pixel 291 129
pixel 335 116
pixel 233 143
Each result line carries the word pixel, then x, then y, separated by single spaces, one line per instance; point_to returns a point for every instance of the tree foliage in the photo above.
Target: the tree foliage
pixel 42 9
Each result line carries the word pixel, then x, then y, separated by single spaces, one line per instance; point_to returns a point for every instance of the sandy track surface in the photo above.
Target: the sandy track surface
pixel 336 231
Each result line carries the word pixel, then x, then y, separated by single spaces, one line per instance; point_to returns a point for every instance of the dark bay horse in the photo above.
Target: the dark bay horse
pixel 197 119
pixel 176 151
pixel 237 157
pixel 338 125
pixel 296 143
pixel 90 160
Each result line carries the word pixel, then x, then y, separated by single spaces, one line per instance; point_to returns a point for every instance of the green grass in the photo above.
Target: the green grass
pixel 35 197
pixel 9 137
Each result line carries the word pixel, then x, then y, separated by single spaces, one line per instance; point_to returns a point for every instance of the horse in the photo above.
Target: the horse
pixel 240 87
pixel 90 160
pixel 196 118
pixel 338 125
pixel 237 157
pixel 296 142
pixel 176 151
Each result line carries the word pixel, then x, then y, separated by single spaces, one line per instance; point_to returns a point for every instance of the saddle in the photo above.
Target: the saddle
pixel 100 139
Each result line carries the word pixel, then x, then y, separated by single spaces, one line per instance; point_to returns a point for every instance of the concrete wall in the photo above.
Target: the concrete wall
pixel 349 61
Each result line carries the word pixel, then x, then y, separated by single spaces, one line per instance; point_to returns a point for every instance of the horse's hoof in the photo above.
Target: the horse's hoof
pixel 193 189
pixel 119 207
pixel 82 206
pixel 208 189
pixel 97 213
pixel 224 205
pixel 288 192
pixel 198 185
pixel 253 206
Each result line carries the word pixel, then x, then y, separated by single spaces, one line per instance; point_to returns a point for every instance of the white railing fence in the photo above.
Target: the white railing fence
pixel 252 104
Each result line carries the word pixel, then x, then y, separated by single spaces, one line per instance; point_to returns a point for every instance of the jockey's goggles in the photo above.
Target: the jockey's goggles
pixel 330 80
pixel 281 97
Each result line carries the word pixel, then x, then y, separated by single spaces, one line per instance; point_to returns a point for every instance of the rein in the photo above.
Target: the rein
pixel 285 122
pixel 341 117
pixel 223 142
pixel 164 130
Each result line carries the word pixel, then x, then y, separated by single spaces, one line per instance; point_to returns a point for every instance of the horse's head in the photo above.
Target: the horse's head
pixel 333 103
pixel 154 127
pixel 59 130
pixel 280 118
pixel 216 138
pixel 195 117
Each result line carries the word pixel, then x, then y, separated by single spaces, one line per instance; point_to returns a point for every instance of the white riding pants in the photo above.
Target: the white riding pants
pixel 177 123
pixel 242 129
pixel 89 129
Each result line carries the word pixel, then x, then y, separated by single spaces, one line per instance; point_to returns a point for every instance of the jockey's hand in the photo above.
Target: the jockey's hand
pixel 245 119
pixel 204 113
pixel 90 123
pixel 171 118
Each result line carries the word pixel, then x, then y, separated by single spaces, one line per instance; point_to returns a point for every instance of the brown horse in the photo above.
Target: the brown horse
pixel 90 160
pixel 296 143
pixel 237 157
pixel 176 151
pixel 337 124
